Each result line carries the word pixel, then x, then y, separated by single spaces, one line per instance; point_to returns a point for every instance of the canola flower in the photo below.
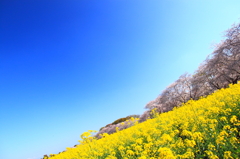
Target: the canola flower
pixel 206 128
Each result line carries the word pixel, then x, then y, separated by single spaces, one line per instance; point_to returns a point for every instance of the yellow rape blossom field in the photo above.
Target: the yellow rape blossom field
pixel 206 128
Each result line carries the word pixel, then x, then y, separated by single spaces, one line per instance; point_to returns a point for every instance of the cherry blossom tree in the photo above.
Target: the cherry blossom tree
pixel 221 68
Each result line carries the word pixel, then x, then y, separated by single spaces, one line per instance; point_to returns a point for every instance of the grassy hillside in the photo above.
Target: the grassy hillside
pixel 206 128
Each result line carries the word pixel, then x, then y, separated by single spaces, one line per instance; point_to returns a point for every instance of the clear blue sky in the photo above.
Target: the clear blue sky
pixel 68 66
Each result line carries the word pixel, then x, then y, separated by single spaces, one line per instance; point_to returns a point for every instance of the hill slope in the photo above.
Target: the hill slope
pixel 208 127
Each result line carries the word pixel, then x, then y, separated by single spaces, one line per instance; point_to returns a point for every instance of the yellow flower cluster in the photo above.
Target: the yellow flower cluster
pixel 206 128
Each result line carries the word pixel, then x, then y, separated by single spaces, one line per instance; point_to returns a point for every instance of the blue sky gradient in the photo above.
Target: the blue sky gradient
pixel 71 66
